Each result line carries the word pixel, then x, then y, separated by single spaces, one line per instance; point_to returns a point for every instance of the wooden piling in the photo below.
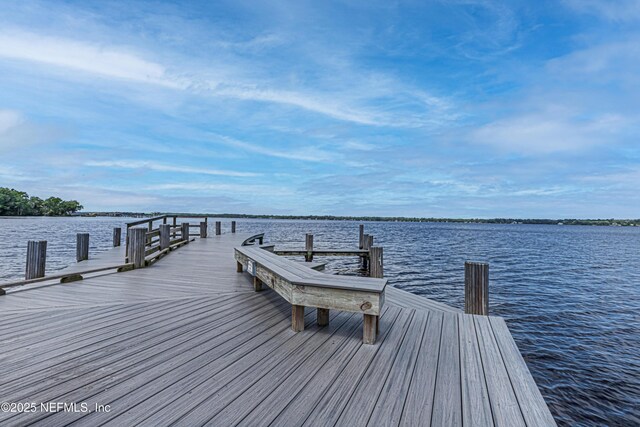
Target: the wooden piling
pixel 150 229
pixel 117 236
pixel 184 231
pixel 174 223
pixel 257 284
pixel 323 316
pixel 476 288
pixel 376 262
pixel 367 242
pixel 297 318
pixel 203 229
pixel 136 244
pixel 233 226
pixel 165 236
pixel 36 259
pixel 82 247
pixel 218 228
pixel 369 331
pixel 308 246
pixel 361 241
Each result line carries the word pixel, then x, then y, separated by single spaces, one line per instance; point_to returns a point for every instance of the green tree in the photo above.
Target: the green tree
pixel 18 203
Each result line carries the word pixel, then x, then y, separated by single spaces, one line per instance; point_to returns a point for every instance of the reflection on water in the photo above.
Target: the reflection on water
pixel 570 294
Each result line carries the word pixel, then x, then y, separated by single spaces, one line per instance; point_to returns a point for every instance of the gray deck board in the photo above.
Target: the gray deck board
pixel 188 342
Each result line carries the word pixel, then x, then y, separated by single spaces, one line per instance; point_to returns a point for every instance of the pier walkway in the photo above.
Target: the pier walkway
pixel 188 342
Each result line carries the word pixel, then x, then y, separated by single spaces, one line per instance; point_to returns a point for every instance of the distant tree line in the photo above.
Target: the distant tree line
pixel 18 203
pixel 567 221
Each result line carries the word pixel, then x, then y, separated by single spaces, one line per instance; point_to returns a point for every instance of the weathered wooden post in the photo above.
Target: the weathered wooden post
pixel 476 288
pixel 150 226
pixel 218 228
pixel 376 268
pixel 184 230
pixel 174 222
pixel 370 328
pixel 361 241
pixel 308 247
pixel 117 236
pixel 165 236
pixel 297 318
pixel 322 316
pixel 136 244
pixel 233 226
pixel 203 229
pixel 36 259
pixel 367 242
pixel 82 246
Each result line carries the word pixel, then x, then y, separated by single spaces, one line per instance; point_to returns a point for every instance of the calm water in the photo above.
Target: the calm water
pixel 570 294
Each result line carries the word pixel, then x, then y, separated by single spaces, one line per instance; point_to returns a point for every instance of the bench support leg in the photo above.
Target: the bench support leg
pixel 297 318
pixel 323 316
pixel 369 332
pixel 257 284
pixel 239 267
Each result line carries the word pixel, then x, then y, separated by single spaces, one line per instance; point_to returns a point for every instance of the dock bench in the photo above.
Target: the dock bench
pixel 304 287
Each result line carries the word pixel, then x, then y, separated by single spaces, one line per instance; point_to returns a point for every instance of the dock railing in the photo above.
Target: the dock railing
pixel 163 233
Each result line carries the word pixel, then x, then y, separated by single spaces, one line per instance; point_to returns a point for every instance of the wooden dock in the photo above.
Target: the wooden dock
pixel 188 342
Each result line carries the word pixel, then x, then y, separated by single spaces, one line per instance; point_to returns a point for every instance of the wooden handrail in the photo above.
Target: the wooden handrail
pixel 119 267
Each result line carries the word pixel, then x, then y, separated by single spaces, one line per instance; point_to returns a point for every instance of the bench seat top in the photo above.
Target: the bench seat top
pixel 303 276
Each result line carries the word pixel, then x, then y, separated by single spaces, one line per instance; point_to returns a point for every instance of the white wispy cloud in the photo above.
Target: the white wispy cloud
pixel 309 154
pixel 358 101
pixel 613 10
pixel 160 167
pixel 253 189
pixel 547 132
pixel 106 61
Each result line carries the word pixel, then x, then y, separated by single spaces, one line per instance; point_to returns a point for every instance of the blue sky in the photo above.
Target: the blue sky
pixel 418 108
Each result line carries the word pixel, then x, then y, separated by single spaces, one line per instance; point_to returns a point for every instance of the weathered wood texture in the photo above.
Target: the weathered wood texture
pixel 36 259
pixel 233 226
pixel 136 244
pixel 184 231
pixel 376 265
pixel 308 247
pixel 82 247
pixel 187 342
pixel 218 228
pixel 203 229
pixel 476 288
pixel 361 236
pixel 165 236
pixel 117 236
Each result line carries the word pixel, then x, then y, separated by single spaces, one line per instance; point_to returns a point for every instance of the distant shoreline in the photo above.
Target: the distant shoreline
pixel 564 221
